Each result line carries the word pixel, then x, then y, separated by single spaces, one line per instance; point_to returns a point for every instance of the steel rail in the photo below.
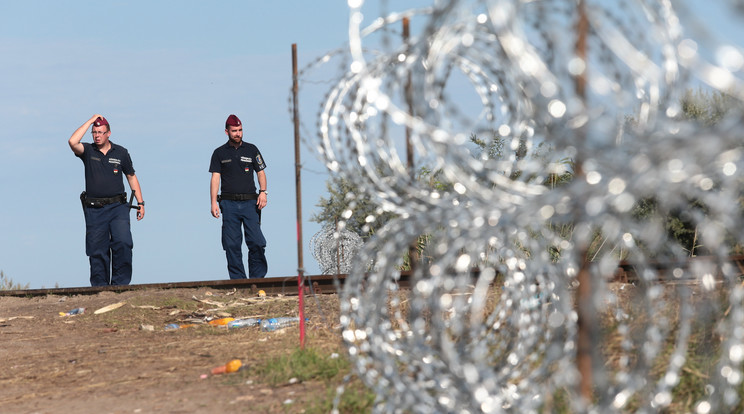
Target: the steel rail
pixel 272 286
pixel 329 284
pixel 628 271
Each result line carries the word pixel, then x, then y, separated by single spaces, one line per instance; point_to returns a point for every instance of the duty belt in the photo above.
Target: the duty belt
pixel 95 202
pixel 237 197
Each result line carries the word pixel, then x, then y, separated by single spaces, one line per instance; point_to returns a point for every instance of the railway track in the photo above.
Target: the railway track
pixel 272 286
pixel 627 272
pixel 319 284
pixel 330 284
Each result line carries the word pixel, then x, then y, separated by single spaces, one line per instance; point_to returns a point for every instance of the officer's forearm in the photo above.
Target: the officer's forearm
pixel 261 180
pixel 214 187
pixel 135 186
pixel 79 133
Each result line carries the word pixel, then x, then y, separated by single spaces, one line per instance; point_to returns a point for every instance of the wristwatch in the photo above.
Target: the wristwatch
pixel 263 191
pixel 142 203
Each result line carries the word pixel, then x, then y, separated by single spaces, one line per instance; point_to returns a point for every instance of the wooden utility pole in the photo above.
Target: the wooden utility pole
pixel 587 327
pixel 298 196
pixel 409 101
pixel 408 92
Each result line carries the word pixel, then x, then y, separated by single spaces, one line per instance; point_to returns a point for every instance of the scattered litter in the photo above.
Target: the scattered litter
pixel 109 308
pixel 273 298
pixel 76 311
pixel 242 323
pixel 221 321
pixel 174 326
pixel 261 294
pixel 245 398
pixel 232 366
pixel 15 317
pixel 144 327
pixel 148 307
pixel 195 321
pixel 273 324
pixel 209 302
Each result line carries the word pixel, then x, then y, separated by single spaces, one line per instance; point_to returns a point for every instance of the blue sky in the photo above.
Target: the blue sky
pixel 166 74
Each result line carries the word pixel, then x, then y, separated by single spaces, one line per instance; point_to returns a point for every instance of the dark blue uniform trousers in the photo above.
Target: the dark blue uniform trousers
pixel 245 214
pixel 108 244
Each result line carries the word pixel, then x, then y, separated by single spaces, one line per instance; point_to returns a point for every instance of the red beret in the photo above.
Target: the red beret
pixel 232 120
pixel 101 121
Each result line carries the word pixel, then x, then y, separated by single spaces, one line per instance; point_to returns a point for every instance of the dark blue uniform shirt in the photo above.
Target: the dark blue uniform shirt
pixel 103 173
pixel 236 167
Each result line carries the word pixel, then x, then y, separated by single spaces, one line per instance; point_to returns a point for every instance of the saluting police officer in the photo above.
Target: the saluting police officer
pixel 108 239
pixel 233 166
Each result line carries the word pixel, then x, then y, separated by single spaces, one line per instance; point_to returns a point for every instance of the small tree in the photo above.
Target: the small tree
pixel 348 209
pixel 347 203
pixel 705 109
pixel 559 173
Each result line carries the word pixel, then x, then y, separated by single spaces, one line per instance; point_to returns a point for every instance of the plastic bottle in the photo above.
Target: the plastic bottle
pixel 221 321
pixel 273 324
pixel 241 323
pixel 231 366
pixel 76 311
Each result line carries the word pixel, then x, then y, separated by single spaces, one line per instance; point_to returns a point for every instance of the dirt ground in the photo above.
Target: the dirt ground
pixel 125 361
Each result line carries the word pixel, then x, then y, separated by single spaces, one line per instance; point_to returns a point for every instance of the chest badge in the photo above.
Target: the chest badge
pixel 115 163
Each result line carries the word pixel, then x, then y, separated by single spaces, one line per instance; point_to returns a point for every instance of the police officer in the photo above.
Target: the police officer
pixel 233 166
pixel 108 239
